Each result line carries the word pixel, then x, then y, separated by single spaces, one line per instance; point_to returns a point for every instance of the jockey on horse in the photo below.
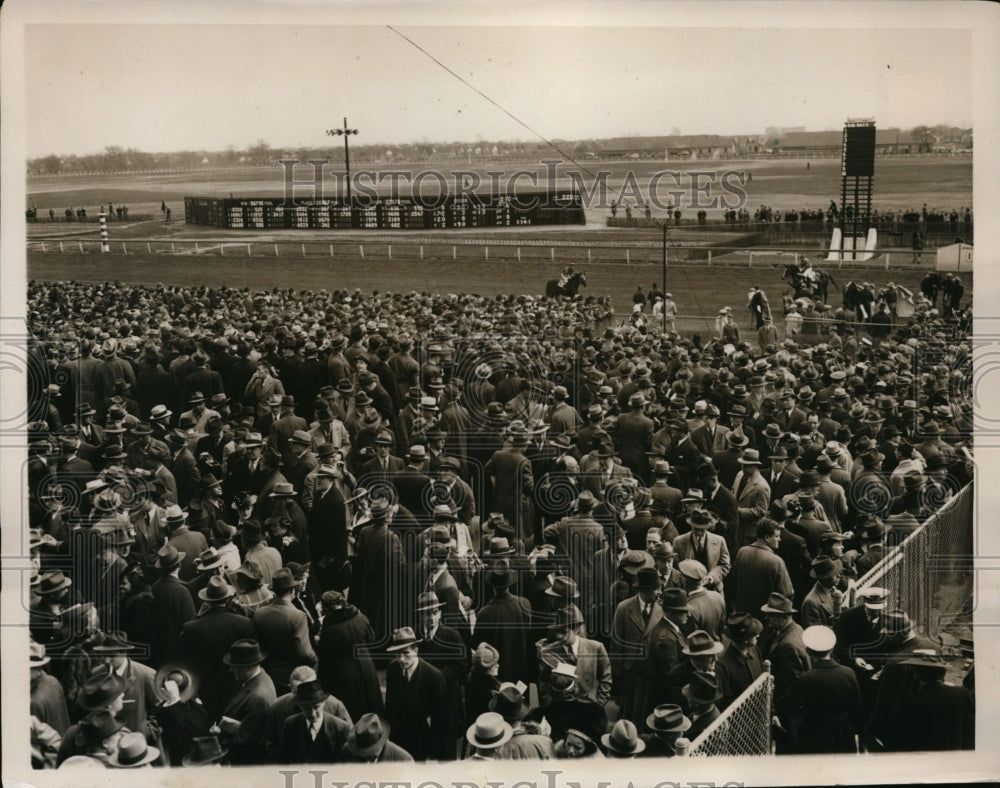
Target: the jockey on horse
pixel 567 272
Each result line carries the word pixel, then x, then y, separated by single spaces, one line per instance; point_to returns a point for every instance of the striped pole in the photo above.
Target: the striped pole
pixel 103 219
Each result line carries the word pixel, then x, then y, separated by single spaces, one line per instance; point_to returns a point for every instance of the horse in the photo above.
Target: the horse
pixel 571 288
pixel 818 288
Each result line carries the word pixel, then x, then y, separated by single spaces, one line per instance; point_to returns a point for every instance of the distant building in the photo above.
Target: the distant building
pixel 697 146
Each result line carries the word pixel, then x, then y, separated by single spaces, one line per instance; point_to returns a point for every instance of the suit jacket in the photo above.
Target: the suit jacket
pixel 249 704
pixel 634 435
pixel 283 632
pixel 754 501
pixel 184 467
pixel 295 743
pixel 192 543
pixel 629 646
pixel 593 669
pixel 417 711
pixel 150 535
pixel 666 651
pixel 203 643
pixel 789 422
pixel 717 552
pixel 789 660
pixel 512 483
pixel 736 672
pixel 825 709
pixel 708 444
pixel 757 572
pixel 172 608
pixel 592 475
pixel 722 501
pixel 371 470
pixel 785 485
pixel 578 538
pixel 283 428
pixel 708 611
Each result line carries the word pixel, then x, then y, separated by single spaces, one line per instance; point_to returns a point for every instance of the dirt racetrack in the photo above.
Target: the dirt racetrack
pixel 699 290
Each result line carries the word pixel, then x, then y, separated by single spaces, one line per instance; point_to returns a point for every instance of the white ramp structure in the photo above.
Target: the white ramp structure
pixel 865 251
pixel 954 257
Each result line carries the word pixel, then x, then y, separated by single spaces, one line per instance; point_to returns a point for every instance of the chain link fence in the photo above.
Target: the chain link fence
pixel 930 574
pixel 744 728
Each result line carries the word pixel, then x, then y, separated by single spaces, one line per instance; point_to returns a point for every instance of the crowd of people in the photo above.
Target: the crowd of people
pixel 308 526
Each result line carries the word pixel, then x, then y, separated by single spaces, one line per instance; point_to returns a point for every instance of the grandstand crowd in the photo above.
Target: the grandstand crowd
pixel 313 527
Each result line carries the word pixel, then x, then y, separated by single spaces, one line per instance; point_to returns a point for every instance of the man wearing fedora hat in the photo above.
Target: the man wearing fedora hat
pixel 413 485
pixel 298 459
pixel 707 605
pixel 526 742
pixel 241 727
pixel 598 469
pixel 859 639
pixel 623 741
pixel 703 546
pixel 635 619
pixel 578 537
pixel 634 436
pixel 701 693
pixel 565 644
pixel 199 414
pixel 368 742
pixel 139 682
pixel 416 701
pixel 96 735
pixel 283 632
pixel 48 699
pixel 511 481
pixel 189 543
pixel 666 646
pixel 783 646
pixel 313 734
pixel 825 702
pixel 666 723
pixel 172 606
pixel 286 425
pixel 444 648
pixel 739 664
pixel 345 664
pixel 753 494
pixel 205 640
pixel 779 481
pixel 505 620
pixel 328 533
pixel 822 605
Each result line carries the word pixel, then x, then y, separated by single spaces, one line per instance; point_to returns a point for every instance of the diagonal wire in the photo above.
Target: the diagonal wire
pixel 506 112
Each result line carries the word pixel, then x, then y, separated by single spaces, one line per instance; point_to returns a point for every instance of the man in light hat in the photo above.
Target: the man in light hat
pixel 859 638
pixel 753 494
pixel 416 701
pixel 825 701
pixel 486 735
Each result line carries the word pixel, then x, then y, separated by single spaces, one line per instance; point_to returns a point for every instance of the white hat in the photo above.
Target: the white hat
pixel 819 639
pixel 873 597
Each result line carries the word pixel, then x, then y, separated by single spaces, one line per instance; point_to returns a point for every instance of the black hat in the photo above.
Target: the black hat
pixel 244 654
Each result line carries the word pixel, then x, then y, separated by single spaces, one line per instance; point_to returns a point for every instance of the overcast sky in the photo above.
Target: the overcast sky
pixel 173 87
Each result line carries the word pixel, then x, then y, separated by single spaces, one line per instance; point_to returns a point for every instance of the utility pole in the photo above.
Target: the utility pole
pixel 345 133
